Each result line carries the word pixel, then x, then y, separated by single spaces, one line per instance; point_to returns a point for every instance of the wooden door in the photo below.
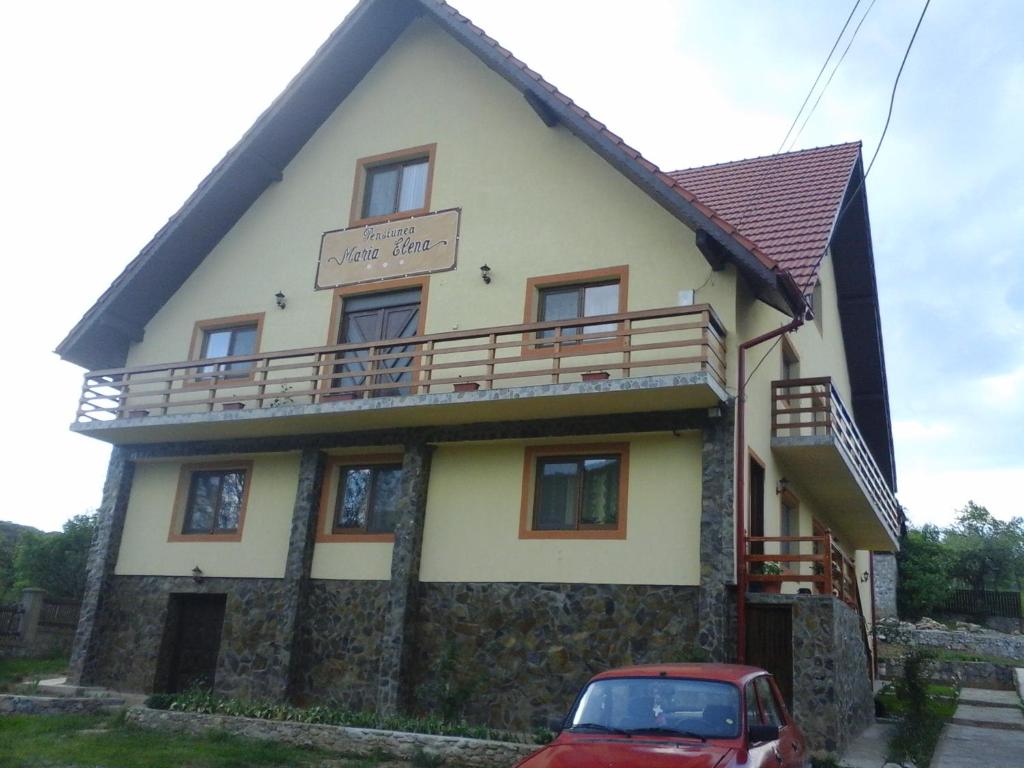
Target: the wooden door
pixel 196 641
pixel 378 317
pixel 770 644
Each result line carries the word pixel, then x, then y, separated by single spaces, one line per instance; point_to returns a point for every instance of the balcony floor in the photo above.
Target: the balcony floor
pixel 591 398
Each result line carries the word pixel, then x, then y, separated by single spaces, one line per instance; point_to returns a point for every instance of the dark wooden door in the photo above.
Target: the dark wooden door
pixel 193 657
pixel 770 644
pixel 378 317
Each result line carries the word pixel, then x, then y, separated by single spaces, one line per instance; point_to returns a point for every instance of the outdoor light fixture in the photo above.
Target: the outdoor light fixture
pixel 279 297
pixel 782 486
pixel 485 274
pixel 865 576
pixel 197 575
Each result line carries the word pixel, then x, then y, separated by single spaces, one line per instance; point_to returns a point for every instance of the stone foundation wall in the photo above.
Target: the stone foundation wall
pixel 996 644
pixel 132 621
pixel 833 699
pixel 884 577
pixel 969 674
pixel 521 652
pixel 340 643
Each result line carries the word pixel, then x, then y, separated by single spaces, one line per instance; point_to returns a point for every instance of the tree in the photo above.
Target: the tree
pixel 988 553
pixel 56 562
pixel 924 563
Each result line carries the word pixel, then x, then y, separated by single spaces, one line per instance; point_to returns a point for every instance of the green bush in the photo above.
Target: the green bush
pixel 922 712
pixel 207 702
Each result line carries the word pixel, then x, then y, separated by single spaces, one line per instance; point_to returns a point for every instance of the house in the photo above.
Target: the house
pixel 434 363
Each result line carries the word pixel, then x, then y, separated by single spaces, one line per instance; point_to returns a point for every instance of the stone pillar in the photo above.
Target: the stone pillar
pixel 885 575
pixel 717 534
pixel 31 606
pixel 102 559
pixel 297 567
pixel 396 645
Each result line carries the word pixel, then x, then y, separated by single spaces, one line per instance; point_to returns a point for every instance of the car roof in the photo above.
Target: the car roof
pixel 732 673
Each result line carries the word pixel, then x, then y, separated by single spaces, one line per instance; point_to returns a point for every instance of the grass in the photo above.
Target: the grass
pixel 891 651
pixel 15 670
pixel 942 700
pixel 103 740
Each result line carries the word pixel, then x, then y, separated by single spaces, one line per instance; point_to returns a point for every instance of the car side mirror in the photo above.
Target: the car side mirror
pixel 759 734
pixel 556 724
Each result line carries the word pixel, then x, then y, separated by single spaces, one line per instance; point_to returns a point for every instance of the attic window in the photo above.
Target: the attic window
pixel 393 185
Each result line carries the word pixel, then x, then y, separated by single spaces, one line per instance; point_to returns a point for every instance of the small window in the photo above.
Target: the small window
pixel 211 501
pixel 789 526
pixel 577 492
pixel 570 302
pixel 367 498
pixel 392 185
pixel 225 337
pixel 790 361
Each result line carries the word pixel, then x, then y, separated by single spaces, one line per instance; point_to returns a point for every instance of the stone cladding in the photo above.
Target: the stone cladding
pixel 523 651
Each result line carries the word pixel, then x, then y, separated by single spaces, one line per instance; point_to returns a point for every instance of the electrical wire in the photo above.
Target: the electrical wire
pixel 763 358
pixel 831 75
pixel 820 73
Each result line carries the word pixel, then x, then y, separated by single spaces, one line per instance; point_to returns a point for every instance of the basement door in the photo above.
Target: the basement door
pixel 195 640
pixel 770 644
pixel 376 317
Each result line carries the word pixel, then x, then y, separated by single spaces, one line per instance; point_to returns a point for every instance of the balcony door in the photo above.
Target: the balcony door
pixel 373 317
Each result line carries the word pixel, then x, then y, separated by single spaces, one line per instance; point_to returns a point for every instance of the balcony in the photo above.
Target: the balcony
pixel 817 442
pixel 814 564
pixel 649 360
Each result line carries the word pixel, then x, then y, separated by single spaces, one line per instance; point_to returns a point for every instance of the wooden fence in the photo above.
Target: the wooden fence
pixel 984 603
pixel 10 619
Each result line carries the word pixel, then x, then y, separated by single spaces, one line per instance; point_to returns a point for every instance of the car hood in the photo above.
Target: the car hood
pixel 601 752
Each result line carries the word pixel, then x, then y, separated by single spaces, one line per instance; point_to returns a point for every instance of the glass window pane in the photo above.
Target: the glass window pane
pixel 560 304
pixel 350 511
pixel 381 190
pixel 753 713
pixel 243 342
pixel 414 186
pixel 232 488
pixel 600 491
pixel 217 343
pixel 205 487
pixel 386 492
pixel 556 492
pixel 771 709
pixel 600 300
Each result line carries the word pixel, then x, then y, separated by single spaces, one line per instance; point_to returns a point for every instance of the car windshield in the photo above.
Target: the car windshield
pixel 697 708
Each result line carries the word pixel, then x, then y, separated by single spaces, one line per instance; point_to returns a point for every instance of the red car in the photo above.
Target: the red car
pixel 676 716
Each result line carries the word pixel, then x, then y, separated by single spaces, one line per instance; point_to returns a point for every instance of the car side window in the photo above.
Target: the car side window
pixel 753 713
pixel 768 703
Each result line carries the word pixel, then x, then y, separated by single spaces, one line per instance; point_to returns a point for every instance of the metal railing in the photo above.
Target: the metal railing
pixel 672 340
pixel 812 406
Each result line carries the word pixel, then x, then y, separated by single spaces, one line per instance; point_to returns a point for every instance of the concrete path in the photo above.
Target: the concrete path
pixel 869 749
pixel 987 729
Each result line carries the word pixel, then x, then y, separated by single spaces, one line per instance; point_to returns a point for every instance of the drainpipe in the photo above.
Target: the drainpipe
pixel 741 469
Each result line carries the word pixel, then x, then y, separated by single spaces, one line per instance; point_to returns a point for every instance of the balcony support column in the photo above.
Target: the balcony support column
pixel 106 545
pixel 393 685
pixel 716 536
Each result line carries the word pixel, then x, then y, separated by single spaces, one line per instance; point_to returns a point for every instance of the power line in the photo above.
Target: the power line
pixel 820 73
pixel 888 118
pixel 832 74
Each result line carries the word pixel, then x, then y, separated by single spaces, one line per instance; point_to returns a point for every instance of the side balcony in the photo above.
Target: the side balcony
pixel 803 565
pixel 817 442
pixel 648 360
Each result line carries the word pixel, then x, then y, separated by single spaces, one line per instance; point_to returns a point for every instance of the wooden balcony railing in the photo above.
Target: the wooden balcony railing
pixel 811 407
pixel 813 562
pixel 665 341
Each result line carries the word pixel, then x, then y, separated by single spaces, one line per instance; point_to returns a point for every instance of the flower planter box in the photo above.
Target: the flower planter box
pixel 138 413
pixel 232 406
pixel 338 396
pixel 467 386
pixel 595 376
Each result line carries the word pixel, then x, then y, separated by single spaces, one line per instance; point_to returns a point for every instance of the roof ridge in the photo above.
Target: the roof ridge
pixel 858 143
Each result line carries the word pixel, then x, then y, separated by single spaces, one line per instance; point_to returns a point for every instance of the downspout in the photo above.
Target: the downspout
pixel 741 469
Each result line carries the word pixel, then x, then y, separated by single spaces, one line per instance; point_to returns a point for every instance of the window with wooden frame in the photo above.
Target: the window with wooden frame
pixel 575 491
pixel 226 337
pixel 789 526
pixel 790 360
pixel 577 296
pixel 393 185
pixel 211 501
pixel 360 498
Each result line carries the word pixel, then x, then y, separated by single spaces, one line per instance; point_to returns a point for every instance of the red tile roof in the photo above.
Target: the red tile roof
pixel 786 204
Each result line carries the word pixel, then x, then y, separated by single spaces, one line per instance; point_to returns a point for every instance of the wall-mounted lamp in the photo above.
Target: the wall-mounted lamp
pixel 281 299
pixel 485 274
pixel 197 575
pixel 782 486
pixel 865 576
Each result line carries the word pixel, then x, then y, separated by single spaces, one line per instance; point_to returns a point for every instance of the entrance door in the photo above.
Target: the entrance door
pixel 376 317
pixel 770 644
pixel 195 640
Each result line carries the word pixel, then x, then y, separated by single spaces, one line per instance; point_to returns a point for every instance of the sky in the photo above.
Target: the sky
pixel 115 111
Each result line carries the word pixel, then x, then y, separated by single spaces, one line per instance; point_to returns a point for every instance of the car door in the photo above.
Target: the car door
pixel 790 748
